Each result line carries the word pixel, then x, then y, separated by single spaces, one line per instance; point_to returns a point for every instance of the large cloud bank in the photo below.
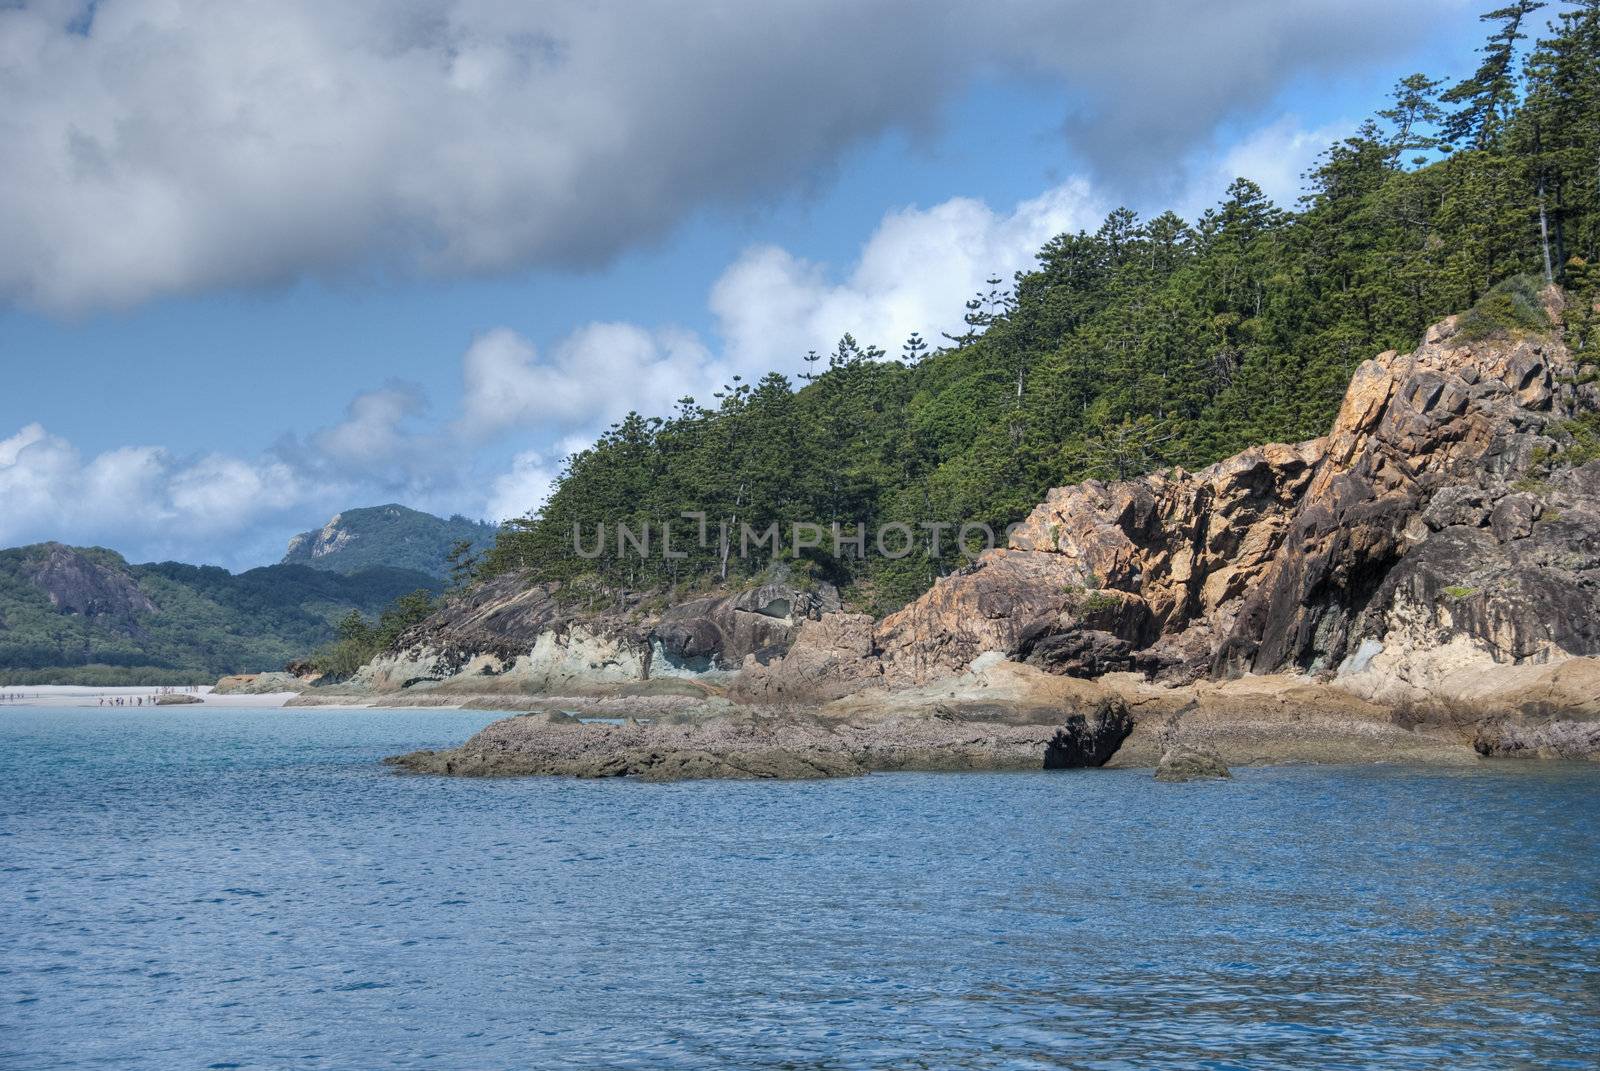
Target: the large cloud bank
pixel 161 147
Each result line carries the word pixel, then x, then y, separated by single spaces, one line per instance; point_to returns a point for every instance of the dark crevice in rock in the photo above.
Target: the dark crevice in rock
pixel 1087 740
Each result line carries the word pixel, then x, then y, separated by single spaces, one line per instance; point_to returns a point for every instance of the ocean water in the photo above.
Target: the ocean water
pixel 250 889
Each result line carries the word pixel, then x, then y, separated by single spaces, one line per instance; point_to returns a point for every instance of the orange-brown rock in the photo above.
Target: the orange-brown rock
pixel 1152 567
pixel 1416 521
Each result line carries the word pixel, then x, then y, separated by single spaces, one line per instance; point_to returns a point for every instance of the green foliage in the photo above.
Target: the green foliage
pixel 1142 345
pixel 1460 592
pixel 1533 483
pixel 1098 602
pixel 1511 307
pixel 1585 441
pixel 396 537
pixel 359 641
pixel 207 621
pixel 462 564
pixel 100 676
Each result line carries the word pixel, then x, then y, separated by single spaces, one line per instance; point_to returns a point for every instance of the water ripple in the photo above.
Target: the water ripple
pixel 240 889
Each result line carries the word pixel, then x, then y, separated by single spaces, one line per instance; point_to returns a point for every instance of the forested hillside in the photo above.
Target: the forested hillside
pixel 85 616
pixel 1148 343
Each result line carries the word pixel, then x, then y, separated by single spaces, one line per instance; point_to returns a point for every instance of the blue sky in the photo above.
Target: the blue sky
pixel 206 395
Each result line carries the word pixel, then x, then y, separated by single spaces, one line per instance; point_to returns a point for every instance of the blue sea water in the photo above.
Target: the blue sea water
pixel 250 889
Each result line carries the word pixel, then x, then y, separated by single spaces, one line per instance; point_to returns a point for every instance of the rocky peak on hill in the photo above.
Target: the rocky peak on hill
pixel 390 535
pixel 76 583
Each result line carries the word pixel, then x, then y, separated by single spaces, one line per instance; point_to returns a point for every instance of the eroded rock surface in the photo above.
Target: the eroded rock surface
pixel 957 729
pixel 1414 521
pixel 1181 763
pixel 509 636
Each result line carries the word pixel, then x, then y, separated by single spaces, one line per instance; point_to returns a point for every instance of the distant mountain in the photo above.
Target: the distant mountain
pixel 84 615
pixel 391 536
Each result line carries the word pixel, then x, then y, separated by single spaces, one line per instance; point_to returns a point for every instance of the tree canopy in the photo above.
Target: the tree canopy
pixel 1147 343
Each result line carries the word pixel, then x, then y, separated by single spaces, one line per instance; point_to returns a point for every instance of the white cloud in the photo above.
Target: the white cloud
pixel 135 496
pixel 159 147
pixel 1275 157
pixel 596 373
pixel 373 430
pixel 915 274
pixel 523 489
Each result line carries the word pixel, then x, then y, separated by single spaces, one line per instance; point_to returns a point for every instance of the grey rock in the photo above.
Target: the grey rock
pixel 1513 517
pixel 1190 764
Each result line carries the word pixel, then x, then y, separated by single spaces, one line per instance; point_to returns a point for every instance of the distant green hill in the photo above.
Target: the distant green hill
pixel 392 536
pixel 73 615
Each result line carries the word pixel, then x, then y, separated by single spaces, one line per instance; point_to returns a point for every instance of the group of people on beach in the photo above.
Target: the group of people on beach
pixel 138 700
pixel 107 700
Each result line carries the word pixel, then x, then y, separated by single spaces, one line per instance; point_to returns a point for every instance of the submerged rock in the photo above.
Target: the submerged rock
pixel 1190 764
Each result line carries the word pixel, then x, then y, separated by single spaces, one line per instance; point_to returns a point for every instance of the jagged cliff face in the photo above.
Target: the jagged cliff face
pixel 1143 574
pixel 1455 419
pixel 1408 528
pixel 329 539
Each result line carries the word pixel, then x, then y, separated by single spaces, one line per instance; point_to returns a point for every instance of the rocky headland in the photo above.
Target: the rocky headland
pixel 1421 584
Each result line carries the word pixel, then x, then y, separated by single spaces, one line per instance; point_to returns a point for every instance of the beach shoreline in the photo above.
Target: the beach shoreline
pixel 85 695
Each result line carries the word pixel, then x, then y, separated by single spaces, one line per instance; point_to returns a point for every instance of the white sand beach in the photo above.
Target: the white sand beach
pixel 72 695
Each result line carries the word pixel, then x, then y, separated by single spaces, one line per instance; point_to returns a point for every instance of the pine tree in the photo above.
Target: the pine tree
pixel 1414 112
pixel 1487 97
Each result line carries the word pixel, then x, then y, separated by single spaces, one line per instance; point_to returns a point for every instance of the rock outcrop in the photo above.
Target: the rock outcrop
pixel 1420 444
pixel 1418 585
pixel 507 635
pixel 954 729
pixel 77 584
pixel 1181 764
pixel 258 684
pixel 1413 522
pixel 719 633
pixel 1144 574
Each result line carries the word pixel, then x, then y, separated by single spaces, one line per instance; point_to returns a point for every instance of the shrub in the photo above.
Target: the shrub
pixel 1585 447
pixel 1510 308
pixel 1096 601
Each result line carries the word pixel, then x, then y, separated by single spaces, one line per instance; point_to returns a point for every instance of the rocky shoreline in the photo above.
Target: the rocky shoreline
pixel 1000 716
pixel 1421 584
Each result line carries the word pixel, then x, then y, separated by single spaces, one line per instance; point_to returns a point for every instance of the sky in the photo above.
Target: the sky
pixel 260 262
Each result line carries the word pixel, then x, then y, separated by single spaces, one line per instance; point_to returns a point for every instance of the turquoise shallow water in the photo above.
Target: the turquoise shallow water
pixel 214 888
